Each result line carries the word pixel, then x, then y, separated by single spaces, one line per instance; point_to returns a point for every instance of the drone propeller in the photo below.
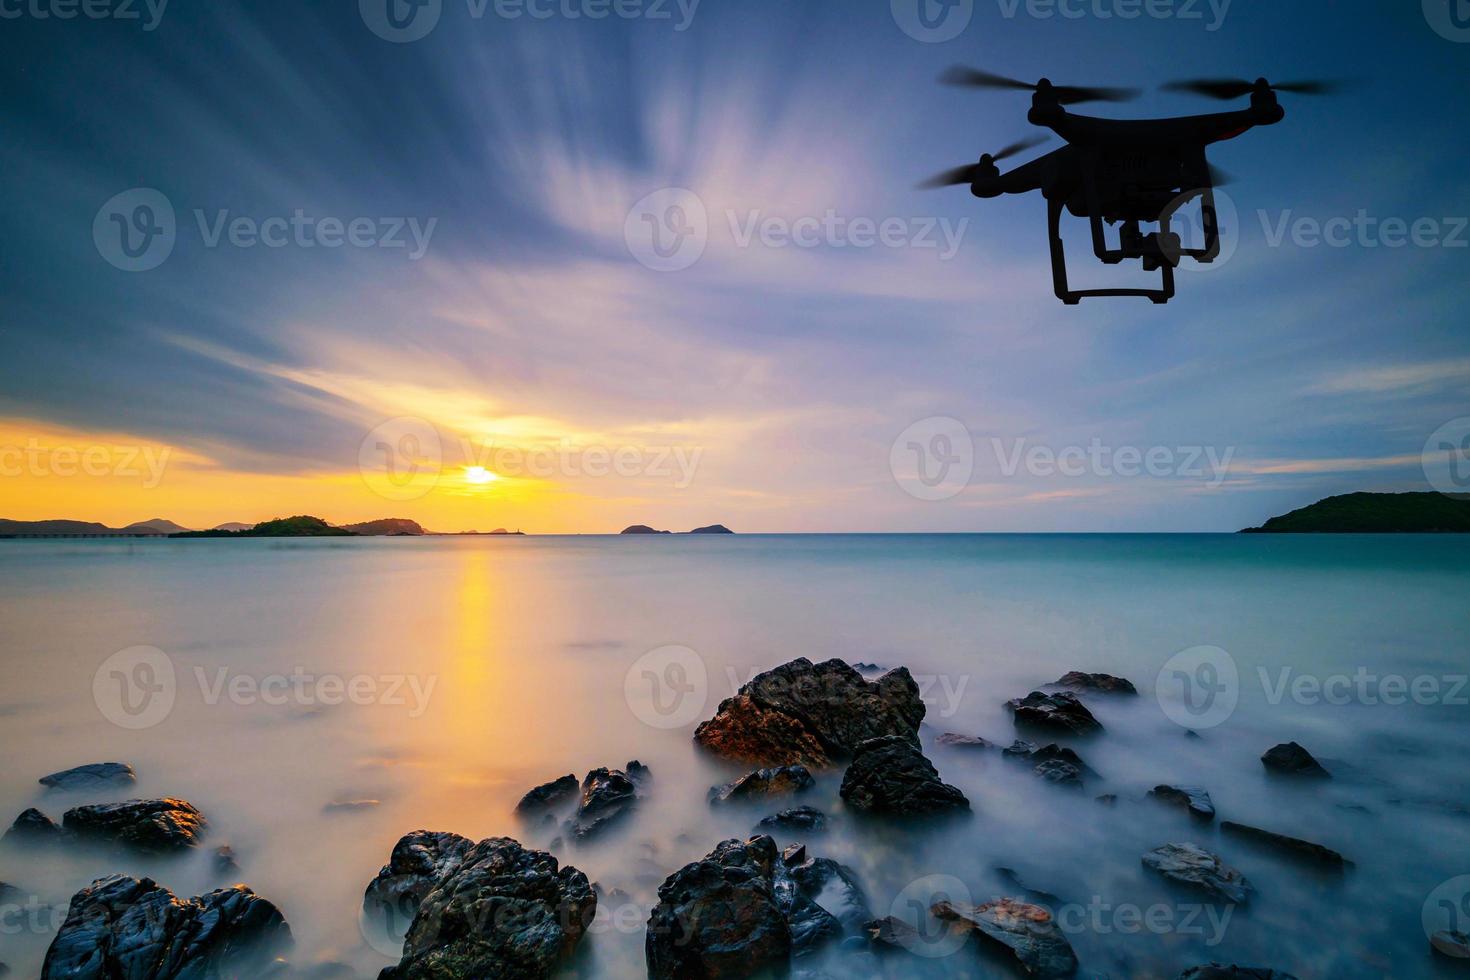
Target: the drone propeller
pixel 968 174
pixel 1066 94
pixel 1233 88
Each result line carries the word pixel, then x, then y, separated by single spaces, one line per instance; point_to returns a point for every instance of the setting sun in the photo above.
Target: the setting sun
pixel 479 475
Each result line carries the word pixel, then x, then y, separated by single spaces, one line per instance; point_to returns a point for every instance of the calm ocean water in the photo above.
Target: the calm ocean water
pixel 444 677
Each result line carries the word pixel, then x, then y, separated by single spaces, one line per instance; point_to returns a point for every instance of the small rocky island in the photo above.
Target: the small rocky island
pixel 1375 513
pixel 645 529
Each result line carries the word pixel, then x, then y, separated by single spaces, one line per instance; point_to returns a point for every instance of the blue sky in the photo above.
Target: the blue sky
pixel 520 145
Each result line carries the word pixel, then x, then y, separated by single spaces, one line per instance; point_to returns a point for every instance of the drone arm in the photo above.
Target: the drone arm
pixel 1032 176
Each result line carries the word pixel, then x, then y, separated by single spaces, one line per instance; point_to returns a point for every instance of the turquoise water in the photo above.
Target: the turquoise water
pixel 482 666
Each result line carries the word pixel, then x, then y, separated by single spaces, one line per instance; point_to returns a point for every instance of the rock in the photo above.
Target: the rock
pixel 712 529
pixel 548 796
pixel 1214 971
pixel 955 740
pixel 764 784
pixel 1107 799
pixel 97 776
pixel 1291 846
pixel 1452 943
pixel 832 885
pixel 1193 798
pixel 1195 867
pixel 224 860
pixel 812 714
pixel 641 529
pixel 124 928
pixel 1034 894
pixel 1104 683
pixel 807 819
pixel 638 772
pixel 1054 763
pixel 419 861
pixel 147 825
pixel 33 827
pixel 719 917
pixel 1059 772
pixel 1057 712
pixel 890 776
pixel 608 795
pixel 502 913
pixel 891 934
pixel 4 970
pixel 1028 931
pixel 1291 759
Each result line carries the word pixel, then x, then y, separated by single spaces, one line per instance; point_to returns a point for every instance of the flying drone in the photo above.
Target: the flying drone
pixel 1132 171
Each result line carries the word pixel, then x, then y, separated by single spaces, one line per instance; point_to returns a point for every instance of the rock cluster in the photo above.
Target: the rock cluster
pixel 890 776
pixel 1060 712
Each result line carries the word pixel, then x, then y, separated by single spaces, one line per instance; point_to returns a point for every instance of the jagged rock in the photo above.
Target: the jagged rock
pixel 123 928
pixel 1195 867
pixel 224 860
pixel 890 776
pixel 1214 971
pixel 1059 772
pixel 1193 798
pixel 832 885
pixel 1054 763
pixel 807 819
pixel 1057 712
pixel 1028 931
pixel 638 772
pixel 33 827
pixel 608 795
pixel 719 917
pixel 1104 683
pixel 1452 943
pixel 764 784
pixel 956 740
pixel 811 714
pixel 890 934
pixel 148 825
pixel 419 861
pixel 98 775
pixel 503 913
pixel 1291 759
pixel 549 795
pixel 1291 846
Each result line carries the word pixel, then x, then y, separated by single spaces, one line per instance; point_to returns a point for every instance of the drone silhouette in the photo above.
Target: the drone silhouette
pixel 1131 171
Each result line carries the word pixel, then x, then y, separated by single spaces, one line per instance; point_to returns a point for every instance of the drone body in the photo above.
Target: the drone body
pixel 1128 171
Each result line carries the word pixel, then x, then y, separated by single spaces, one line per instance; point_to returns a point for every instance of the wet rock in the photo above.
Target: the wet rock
pixel 419 861
pixel 33 827
pixel 834 886
pixel 1028 931
pixel 1103 683
pixel 1452 943
pixel 955 740
pixel 1060 773
pixel 812 714
pixel 97 776
pixel 502 913
pixel 1054 763
pixel 224 860
pixel 1061 712
pixel 805 819
pixel 1291 759
pixel 719 917
pixel 1214 971
pixel 890 776
pixel 147 825
pixel 1192 798
pixel 1290 846
pixel 638 772
pixel 1194 867
pixel 764 784
pixel 548 796
pixel 608 796
pixel 124 928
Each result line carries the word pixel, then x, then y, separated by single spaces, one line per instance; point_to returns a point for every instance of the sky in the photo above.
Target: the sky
pixel 569 265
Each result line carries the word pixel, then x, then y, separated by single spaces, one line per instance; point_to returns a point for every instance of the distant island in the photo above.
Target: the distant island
pixel 302 526
pixel 281 527
pixel 1374 513
pixel 645 529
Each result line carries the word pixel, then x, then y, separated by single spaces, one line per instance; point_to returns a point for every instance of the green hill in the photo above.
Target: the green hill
pixel 1374 513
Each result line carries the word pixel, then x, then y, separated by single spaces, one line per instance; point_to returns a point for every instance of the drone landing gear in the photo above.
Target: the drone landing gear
pixel 1059 263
